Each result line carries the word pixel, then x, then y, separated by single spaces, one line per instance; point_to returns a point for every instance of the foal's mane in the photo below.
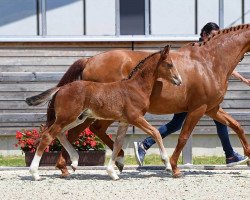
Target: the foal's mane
pixel 220 33
pixel 140 64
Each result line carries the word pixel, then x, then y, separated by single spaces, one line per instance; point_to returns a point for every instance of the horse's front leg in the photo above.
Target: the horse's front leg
pixel 47 137
pixel 99 127
pixel 191 120
pixel 153 132
pixel 72 136
pixel 121 133
pixel 220 115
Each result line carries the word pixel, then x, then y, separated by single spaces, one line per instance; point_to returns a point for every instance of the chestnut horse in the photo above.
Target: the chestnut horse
pixel 125 101
pixel 204 68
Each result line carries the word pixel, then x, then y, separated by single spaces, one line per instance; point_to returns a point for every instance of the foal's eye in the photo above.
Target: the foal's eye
pixel 170 65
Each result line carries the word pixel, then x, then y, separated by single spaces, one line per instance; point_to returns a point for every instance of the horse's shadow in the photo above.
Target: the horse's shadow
pixel 139 174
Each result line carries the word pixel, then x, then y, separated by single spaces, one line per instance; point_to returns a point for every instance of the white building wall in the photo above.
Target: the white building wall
pixel 66 19
pixel 172 17
pixel 208 11
pixel 100 17
pixel 232 11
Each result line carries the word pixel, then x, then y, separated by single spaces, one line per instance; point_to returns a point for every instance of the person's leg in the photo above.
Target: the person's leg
pixel 232 158
pixel 174 125
pixel 224 138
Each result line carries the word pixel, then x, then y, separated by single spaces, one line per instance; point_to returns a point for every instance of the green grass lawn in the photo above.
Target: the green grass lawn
pixel 152 159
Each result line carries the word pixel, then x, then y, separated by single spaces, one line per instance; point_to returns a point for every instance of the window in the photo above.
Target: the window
pixel 18 17
pixel 132 17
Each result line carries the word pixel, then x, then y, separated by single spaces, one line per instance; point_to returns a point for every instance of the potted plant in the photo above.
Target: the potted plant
pixel 91 150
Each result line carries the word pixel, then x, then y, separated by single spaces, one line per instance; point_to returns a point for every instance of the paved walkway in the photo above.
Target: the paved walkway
pixel 142 184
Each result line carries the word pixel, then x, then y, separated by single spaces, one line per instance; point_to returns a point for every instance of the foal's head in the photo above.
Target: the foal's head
pixel 166 68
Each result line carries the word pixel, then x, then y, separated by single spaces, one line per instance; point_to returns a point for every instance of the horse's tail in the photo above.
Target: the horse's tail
pixel 43 97
pixel 73 73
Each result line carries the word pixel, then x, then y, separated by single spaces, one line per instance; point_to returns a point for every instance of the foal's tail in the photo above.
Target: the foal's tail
pixel 43 97
pixel 73 73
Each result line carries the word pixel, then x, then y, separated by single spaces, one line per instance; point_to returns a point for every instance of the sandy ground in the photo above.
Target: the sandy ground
pixel 133 184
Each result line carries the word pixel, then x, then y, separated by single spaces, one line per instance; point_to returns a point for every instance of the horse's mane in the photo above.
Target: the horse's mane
pixel 221 32
pixel 140 64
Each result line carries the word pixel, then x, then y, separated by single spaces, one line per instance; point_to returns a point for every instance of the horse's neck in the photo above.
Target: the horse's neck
pixel 147 75
pixel 224 51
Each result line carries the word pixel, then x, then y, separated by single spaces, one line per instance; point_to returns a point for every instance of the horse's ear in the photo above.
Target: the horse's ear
pixel 165 52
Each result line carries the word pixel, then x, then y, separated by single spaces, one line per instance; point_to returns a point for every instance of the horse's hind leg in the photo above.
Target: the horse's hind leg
pixel 99 127
pixel 72 136
pixel 220 115
pixel 121 132
pixel 189 124
pixel 149 129
pixel 47 137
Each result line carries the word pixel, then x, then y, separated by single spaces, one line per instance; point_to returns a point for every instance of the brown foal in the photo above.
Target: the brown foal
pixel 204 67
pixel 125 101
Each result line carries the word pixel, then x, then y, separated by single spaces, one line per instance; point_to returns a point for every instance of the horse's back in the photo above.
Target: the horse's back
pixel 112 65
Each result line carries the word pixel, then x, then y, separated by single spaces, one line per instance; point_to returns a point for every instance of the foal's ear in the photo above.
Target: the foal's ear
pixel 165 52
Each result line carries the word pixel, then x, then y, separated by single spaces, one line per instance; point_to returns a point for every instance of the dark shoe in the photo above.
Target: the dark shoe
pixel 248 163
pixel 140 153
pixel 236 159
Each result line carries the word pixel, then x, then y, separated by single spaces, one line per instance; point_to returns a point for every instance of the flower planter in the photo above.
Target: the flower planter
pixel 86 158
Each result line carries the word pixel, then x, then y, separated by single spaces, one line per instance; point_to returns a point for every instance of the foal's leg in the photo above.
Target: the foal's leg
pixel 121 132
pixel 220 115
pixel 99 127
pixel 47 137
pixel 191 120
pixel 72 136
pixel 153 132
pixel 74 157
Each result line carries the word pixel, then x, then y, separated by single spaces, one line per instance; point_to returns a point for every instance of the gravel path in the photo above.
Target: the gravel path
pixel 133 185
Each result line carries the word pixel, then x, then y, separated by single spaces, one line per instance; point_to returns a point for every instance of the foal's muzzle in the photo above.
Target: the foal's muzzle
pixel 176 80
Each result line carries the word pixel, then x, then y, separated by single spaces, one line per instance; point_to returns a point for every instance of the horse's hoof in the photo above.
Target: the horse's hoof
pixel 114 176
pixel 177 175
pixel 65 175
pixel 74 165
pixel 111 172
pixel 169 171
pixel 119 165
pixel 36 177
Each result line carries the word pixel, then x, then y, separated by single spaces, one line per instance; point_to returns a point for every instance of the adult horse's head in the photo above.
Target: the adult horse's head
pixel 166 69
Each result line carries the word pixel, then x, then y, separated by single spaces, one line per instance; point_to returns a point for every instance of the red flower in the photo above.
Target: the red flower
pixel 28 133
pixel 30 141
pixel 93 144
pixel 88 132
pixel 19 135
pixel 110 136
pixel 27 140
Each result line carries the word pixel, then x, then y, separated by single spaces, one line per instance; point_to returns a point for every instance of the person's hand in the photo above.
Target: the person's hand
pixel 247 81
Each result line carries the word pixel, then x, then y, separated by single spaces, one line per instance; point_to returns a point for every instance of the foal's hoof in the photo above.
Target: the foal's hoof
pixel 73 167
pixel 119 165
pixel 177 175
